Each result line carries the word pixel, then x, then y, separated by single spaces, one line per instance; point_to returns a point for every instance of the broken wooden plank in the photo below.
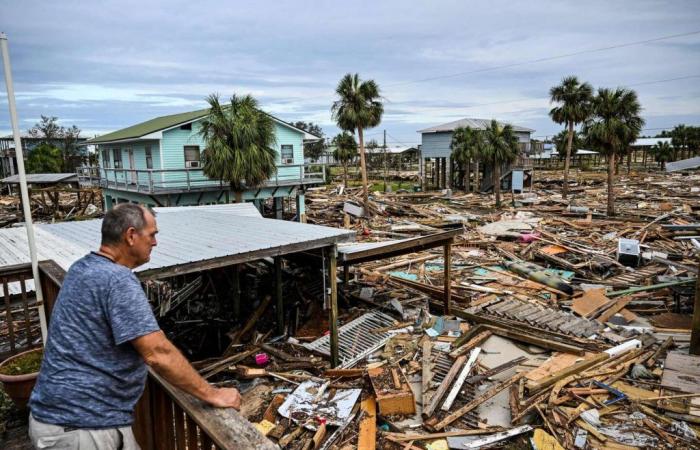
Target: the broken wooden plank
pixel 427 373
pixel 460 379
pixel 477 401
pixel 473 342
pixel 367 435
pixel 444 386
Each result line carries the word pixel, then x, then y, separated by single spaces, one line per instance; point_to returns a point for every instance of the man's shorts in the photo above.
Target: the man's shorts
pixel 44 435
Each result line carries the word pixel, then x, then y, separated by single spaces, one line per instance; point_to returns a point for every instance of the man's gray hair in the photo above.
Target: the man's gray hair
pixel 121 218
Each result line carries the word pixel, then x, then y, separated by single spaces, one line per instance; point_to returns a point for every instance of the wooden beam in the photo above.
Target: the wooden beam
pixel 444 386
pixel 333 284
pixel 278 295
pixel 427 373
pixel 367 436
pixel 447 265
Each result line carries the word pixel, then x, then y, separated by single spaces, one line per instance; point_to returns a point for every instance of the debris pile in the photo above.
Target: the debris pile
pixel 53 204
pixel 567 328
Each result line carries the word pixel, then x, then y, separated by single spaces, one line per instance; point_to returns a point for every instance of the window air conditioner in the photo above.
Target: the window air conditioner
pixel 192 164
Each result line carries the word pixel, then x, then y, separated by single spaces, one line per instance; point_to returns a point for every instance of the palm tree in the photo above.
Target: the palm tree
pixel 468 146
pixel 574 106
pixel 358 107
pixel 501 148
pixel 613 126
pixel 561 140
pixel 240 141
pixel 462 147
pixel 345 151
pixel 664 153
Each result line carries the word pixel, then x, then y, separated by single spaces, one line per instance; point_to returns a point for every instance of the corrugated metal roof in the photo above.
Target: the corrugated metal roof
pixel 650 142
pixel 42 178
pixel 188 236
pixel 684 164
pixel 477 124
pixel 245 209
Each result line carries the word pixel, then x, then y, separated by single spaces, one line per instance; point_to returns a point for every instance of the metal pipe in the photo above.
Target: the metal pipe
pixel 23 185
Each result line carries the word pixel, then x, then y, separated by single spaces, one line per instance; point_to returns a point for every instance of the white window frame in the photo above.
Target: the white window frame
pixel 286 160
pixel 117 151
pixel 192 163
pixel 149 156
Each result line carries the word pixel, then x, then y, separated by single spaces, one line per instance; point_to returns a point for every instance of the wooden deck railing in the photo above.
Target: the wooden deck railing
pixel 19 315
pixel 167 418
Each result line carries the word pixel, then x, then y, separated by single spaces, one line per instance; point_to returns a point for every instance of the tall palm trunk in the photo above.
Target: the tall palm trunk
pixel 345 174
pixel 611 181
pixel 467 171
pixel 477 188
pixel 363 168
pixel 497 182
pixel 567 161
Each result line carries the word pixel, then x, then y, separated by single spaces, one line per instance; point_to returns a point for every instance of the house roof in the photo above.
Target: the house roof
pixel 189 240
pixel 650 142
pixel 164 122
pixel 478 124
pixel 42 178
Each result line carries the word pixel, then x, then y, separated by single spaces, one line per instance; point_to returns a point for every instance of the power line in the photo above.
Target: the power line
pixel 549 58
pixel 522 63
pixel 666 80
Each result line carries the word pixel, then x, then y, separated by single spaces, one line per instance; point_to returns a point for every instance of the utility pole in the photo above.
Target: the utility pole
pixel 26 207
pixel 385 161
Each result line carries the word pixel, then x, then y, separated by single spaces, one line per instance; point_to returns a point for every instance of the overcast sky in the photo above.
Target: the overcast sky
pixel 105 65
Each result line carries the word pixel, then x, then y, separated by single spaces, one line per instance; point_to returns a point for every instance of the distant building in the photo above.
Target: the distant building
pixel 437 170
pixel 8 160
pixel 158 163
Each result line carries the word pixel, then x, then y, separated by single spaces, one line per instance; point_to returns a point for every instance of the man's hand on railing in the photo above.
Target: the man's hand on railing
pixel 225 398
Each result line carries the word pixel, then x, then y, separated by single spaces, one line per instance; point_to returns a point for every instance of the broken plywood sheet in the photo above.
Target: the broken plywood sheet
pixel 554 364
pixel 682 373
pixel 591 301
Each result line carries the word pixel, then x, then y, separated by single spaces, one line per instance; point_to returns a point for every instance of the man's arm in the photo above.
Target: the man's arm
pixel 161 355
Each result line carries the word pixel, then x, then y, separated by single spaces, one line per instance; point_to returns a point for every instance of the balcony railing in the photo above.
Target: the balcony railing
pixel 165 417
pixel 155 181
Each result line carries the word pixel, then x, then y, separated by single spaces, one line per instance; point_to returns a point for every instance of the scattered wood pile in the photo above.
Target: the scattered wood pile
pixel 569 329
pixel 53 204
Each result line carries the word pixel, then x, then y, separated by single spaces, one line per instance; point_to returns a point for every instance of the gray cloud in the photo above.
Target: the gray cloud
pixel 114 64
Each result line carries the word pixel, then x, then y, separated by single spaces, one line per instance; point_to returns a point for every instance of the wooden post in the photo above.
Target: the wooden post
pixel 332 264
pixel 448 276
pixel 236 292
pixel 278 294
pixel 695 335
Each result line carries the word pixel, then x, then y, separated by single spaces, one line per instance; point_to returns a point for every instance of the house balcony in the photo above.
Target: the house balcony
pixel 174 181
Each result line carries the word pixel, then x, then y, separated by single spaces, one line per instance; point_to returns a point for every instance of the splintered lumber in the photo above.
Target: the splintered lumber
pixel 393 393
pixel 478 401
pixel 400 437
pixel 460 380
pixel 497 437
pixel 254 318
pixel 343 373
pixel 550 379
pixel 271 412
pixel 427 373
pixel 614 309
pixel 473 342
pixel 286 440
pixel 368 424
pixel 444 386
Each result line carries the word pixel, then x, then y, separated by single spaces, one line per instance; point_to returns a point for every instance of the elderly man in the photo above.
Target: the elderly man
pixel 102 336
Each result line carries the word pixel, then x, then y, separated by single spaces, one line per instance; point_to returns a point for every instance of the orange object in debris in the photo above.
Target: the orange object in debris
pixel 553 250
